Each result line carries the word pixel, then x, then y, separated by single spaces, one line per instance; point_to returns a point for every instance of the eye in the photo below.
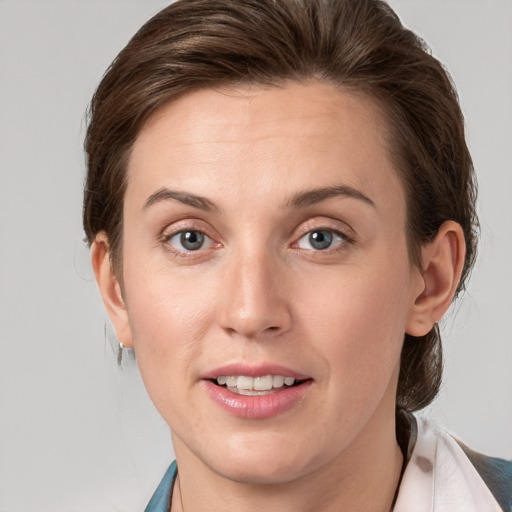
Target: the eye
pixel 189 240
pixel 320 240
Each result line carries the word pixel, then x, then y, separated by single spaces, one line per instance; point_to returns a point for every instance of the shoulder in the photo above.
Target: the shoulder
pixel 161 499
pixel 450 476
pixel 495 472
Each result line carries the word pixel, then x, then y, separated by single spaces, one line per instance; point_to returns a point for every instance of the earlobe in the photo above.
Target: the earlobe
pixel 110 289
pixel 442 264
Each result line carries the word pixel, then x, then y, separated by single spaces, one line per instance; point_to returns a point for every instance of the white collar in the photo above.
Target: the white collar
pixel 440 478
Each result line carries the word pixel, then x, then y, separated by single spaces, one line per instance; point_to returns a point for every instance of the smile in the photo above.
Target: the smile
pixel 256 392
pixel 255 386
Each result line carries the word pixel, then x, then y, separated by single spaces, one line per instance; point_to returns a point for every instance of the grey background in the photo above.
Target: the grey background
pixel 76 432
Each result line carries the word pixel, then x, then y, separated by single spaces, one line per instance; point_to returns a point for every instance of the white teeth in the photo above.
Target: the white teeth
pixel 262 383
pixel 248 392
pixel 245 385
pixel 243 382
pixel 277 381
pixel 230 381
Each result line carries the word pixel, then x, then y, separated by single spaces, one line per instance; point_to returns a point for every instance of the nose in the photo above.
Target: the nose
pixel 256 302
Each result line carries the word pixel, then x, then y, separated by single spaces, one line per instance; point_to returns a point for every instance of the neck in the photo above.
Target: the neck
pixel 364 477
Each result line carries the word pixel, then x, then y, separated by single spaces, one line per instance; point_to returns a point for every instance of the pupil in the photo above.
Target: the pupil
pixel 192 240
pixel 320 239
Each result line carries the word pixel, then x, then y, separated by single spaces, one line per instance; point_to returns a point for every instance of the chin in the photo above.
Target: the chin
pixel 263 464
pixel 267 473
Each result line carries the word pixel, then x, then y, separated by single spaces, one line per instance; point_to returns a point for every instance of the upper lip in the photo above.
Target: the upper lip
pixel 254 370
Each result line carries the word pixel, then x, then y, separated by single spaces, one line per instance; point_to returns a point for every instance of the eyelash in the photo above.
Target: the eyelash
pixel 167 237
pixel 342 242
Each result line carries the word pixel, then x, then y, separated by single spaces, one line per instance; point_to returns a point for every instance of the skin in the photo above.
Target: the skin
pixel 259 292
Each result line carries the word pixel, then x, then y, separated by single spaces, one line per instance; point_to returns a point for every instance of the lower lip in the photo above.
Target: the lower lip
pixel 257 406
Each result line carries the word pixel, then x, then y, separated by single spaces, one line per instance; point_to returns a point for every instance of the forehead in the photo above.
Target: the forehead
pixel 277 139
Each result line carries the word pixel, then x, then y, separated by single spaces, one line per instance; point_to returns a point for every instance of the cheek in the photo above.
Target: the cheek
pixel 357 321
pixel 169 315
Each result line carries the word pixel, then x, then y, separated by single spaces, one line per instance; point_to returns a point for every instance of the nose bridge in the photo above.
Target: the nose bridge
pixel 255 302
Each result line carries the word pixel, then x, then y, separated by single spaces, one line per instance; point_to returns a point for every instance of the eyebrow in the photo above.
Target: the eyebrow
pixel 311 197
pixel 299 200
pixel 166 194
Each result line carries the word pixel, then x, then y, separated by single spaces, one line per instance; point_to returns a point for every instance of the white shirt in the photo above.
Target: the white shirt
pixel 439 477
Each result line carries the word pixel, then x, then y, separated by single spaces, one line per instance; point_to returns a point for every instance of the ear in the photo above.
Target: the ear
pixel 442 264
pixel 110 289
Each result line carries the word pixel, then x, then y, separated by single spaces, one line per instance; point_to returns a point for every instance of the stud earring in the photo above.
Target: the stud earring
pixel 120 354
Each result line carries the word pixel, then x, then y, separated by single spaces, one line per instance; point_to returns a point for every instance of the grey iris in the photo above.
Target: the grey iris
pixel 320 239
pixel 192 240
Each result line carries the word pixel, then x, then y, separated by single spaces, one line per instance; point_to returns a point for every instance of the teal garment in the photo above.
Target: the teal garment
pixel 161 499
pixel 496 473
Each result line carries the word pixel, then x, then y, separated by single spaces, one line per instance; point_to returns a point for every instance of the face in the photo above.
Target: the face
pixel 266 276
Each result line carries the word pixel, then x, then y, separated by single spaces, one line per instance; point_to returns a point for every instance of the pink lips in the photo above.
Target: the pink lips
pixel 254 371
pixel 258 406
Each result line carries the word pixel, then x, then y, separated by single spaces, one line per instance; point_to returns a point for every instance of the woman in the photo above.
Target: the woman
pixel 280 205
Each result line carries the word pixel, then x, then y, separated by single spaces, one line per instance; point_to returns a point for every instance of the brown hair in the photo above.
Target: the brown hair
pixel 358 45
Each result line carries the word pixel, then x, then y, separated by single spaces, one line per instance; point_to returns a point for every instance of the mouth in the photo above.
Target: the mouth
pixel 257 391
pixel 256 386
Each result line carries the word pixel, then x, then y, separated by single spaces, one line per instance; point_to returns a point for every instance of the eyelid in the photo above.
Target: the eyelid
pixel 337 244
pixel 187 225
pixel 334 225
pixel 208 240
pixel 327 224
